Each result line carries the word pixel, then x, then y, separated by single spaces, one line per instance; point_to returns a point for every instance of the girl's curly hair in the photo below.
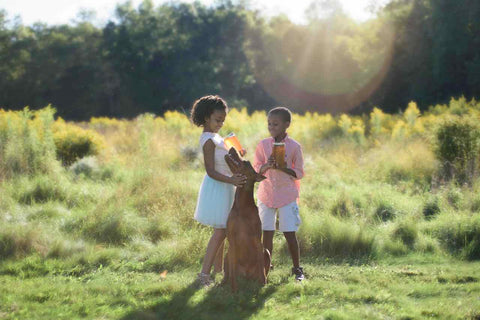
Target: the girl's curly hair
pixel 204 107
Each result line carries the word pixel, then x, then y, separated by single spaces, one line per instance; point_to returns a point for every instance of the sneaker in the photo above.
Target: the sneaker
pixel 204 280
pixel 298 272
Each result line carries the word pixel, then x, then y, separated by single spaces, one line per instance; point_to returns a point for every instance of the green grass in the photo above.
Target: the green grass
pixel 382 237
pixel 93 248
pixel 421 288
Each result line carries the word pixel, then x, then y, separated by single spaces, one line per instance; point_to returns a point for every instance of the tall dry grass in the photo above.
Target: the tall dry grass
pixel 370 188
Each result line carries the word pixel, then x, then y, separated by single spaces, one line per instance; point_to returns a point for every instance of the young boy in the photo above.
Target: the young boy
pixel 280 191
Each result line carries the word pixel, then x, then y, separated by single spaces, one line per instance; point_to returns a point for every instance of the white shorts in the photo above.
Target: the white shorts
pixel 288 217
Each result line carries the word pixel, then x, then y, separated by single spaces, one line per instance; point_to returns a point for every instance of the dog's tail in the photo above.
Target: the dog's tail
pixel 267 260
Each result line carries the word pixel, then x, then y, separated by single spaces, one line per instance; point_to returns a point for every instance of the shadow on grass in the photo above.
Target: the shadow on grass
pixel 217 302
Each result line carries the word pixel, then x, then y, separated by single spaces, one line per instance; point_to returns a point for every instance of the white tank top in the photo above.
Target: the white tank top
pixel 220 151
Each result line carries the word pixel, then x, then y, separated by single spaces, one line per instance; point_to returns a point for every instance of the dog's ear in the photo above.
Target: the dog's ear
pixel 232 163
pixel 233 152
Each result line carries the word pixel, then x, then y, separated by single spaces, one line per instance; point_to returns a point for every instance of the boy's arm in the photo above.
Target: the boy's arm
pixel 259 158
pixel 260 163
pixel 297 165
pixel 289 172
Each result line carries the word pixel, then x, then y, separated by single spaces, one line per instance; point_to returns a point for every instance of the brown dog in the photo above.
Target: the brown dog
pixel 246 256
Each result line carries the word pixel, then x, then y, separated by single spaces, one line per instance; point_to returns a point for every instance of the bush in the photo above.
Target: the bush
pixel 26 142
pixel 460 235
pixel 112 226
pixel 385 211
pixel 89 168
pixel 85 166
pixel 41 189
pixel 191 155
pixel 454 196
pixel 458 148
pixel 394 247
pixel 343 207
pixel 475 204
pixel 65 248
pixel 431 207
pixel 73 143
pixel 159 229
pixel 407 232
pixel 47 211
pixel 19 241
pixel 336 239
pixel 396 163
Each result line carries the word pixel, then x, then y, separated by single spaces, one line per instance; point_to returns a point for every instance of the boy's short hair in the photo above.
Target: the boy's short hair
pixel 282 112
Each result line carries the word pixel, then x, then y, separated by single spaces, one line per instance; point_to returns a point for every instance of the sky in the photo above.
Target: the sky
pixel 66 11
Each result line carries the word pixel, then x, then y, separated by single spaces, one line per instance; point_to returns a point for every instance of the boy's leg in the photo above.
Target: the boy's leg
pixel 289 219
pixel 267 217
pixel 295 253
pixel 268 240
pixel 293 248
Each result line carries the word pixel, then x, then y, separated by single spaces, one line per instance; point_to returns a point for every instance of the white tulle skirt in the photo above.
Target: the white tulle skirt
pixel 215 199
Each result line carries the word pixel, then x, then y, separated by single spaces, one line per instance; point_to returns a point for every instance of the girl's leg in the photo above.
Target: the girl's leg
pixel 218 263
pixel 215 242
pixel 293 248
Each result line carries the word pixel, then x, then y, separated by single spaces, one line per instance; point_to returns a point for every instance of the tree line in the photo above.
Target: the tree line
pixel 157 58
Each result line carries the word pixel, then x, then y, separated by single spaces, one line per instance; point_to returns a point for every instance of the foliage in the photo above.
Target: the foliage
pixel 407 232
pixel 460 234
pixel 433 52
pixel 26 142
pixel 336 239
pixel 412 50
pixel 113 235
pixel 431 207
pixel 73 143
pixel 18 242
pixel 458 148
pixel 385 211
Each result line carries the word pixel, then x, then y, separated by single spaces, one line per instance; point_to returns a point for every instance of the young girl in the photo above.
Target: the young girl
pixel 216 195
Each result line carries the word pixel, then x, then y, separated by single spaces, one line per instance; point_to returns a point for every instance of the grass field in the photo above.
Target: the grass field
pixel 386 233
pixel 413 287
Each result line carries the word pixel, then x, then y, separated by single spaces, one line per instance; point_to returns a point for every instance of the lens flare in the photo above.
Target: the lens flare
pixel 314 69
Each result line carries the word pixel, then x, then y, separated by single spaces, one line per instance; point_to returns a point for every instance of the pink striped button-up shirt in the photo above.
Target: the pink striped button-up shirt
pixel 280 188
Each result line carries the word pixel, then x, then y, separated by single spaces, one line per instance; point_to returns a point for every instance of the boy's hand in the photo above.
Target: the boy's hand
pixel 269 165
pixel 271 162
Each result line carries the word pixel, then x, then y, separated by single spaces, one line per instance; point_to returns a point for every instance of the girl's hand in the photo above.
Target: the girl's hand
pixel 238 180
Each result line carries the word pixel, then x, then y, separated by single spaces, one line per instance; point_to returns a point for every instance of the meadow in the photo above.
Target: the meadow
pixel 96 218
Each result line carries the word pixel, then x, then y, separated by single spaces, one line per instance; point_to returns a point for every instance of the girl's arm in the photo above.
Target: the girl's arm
pixel 209 159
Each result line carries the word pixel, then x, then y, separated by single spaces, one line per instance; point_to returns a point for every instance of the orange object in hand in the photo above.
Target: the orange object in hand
pixel 279 154
pixel 232 141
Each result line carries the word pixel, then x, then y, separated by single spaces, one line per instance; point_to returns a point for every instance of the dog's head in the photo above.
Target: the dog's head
pixel 237 165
